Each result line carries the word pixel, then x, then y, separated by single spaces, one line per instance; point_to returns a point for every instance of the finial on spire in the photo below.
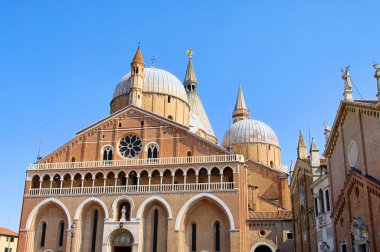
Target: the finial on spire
pixel 347 83
pixel 189 53
pixel 138 45
pixel 377 76
pixel 153 59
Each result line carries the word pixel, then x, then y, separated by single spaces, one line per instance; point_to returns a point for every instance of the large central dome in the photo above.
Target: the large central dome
pixel 155 81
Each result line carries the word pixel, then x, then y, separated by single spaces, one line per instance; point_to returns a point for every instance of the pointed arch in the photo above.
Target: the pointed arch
pixel 198 197
pixel 92 199
pixel 151 199
pixel 43 203
pixel 123 197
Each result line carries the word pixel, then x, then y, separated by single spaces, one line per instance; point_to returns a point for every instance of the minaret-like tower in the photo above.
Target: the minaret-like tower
pixel 301 149
pixel 240 112
pixel 190 82
pixel 137 79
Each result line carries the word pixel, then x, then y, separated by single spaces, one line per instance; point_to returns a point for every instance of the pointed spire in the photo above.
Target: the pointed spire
pixel 240 101
pixel 313 146
pixel 138 57
pixel 301 149
pixel 314 154
pixel 190 82
pixel 240 112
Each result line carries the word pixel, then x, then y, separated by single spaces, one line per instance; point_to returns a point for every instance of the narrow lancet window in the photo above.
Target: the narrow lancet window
pixel 193 237
pixel 155 229
pixel 43 234
pixel 94 231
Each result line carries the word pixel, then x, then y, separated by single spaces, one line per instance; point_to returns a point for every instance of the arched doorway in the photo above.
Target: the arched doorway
pixel 263 248
pixel 121 241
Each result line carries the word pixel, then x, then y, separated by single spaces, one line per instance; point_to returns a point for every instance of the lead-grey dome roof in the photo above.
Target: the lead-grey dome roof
pixel 155 81
pixel 250 131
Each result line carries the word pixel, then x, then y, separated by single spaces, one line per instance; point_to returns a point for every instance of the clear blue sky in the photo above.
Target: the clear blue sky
pixel 61 60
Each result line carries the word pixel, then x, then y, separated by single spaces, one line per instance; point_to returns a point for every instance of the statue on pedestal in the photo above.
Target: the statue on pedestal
pixel 123 214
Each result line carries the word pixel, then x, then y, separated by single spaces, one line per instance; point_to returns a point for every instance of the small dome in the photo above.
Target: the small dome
pixel 155 81
pixel 250 131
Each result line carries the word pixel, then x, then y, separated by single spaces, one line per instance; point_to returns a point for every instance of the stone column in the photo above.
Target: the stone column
pixel 81 189
pixel 51 184
pixel 71 186
pixel 60 188
pixel 149 181
pixel 39 191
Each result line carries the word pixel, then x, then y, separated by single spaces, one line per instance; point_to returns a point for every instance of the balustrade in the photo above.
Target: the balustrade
pixel 134 189
pixel 139 162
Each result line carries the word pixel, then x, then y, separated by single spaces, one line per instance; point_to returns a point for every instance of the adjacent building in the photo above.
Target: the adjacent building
pixel 8 240
pixel 322 208
pixel 151 177
pixel 353 161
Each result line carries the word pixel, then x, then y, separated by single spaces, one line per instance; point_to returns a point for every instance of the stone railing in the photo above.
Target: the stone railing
pixel 133 189
pixel 140 162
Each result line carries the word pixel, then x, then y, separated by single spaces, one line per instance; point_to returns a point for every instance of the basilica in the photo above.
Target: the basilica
pixel 151 176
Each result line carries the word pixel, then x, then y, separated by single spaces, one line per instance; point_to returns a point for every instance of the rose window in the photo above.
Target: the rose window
pixel 130 146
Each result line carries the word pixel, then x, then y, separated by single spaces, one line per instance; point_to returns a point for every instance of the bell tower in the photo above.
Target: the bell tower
pixel 137 78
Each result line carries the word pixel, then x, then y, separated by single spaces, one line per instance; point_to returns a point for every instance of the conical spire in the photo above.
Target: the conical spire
pixel 138 57
pixel 190 81
pixel 313 146
pixel 240 101
pixel 301 149
pixel 314 154
pixel 240 112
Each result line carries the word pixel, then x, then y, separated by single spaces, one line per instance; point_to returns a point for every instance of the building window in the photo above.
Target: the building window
pixel 321 203
pixel 107 153
pixel 155 229
pixel 61 232
pixel 193 237
pixel 43 234
pixel 94 230
pixel 327 200
pixel 152 151
pixel 169 99
pixel 130 146
pixel 12 239
pixel 170 117
pixel 217 235
pixel 316 206
pixel 289 235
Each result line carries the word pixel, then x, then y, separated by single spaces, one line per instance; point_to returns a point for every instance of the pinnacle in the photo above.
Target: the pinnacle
pixel 240 101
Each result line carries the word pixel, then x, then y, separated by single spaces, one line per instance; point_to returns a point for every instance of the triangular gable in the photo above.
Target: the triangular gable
pixel 127 112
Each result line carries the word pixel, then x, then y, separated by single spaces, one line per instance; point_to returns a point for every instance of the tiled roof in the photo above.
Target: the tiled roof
pixel 8 232
pixel 280 215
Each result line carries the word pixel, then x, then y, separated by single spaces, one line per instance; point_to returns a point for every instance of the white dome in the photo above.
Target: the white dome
pixel 155 81
pixel 250 131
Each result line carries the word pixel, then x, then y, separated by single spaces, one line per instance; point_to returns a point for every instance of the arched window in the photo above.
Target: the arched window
pixel 155 230
pixel 193 237
pixel 61 227
pixel 107 153
pixel 217 235
pixel 43 234
pixel 271 164
pixel 94 230
pixel 170 117
pixel 169 99
pixel 321 203
pixel 152 151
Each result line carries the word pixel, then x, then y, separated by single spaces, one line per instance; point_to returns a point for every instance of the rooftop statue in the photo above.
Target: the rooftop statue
pixel 377 76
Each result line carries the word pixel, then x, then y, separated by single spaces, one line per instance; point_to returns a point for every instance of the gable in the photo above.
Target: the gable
pixel 172 138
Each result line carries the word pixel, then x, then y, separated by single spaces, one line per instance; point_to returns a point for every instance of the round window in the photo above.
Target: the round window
pixel 130 146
